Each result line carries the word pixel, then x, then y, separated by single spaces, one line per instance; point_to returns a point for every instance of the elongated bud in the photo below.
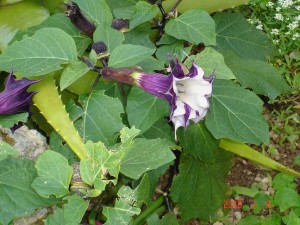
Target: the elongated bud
pixel 120 25
pixel 79 20
pixel 123 75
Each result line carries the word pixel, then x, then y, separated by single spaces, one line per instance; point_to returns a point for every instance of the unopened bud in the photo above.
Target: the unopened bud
pixel 120 24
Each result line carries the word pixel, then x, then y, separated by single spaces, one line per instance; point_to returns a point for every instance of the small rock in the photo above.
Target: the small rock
pixel 238 215
pixel 265 180
pixel 218 223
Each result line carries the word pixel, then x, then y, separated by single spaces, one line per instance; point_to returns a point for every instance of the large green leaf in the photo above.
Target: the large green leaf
pixel 111 37
pixel 260 76
pixel 54 175
pixel 236 113
pixel 210 60
pixel 194 26
pixel 70 214
pixel 9 121
pixel 143 156
pixel 144 109
pixel 139 37
pixel 6 150
pixel 40 54
pixel 129 55
pixel 72 73
pixel 169 219
pixel 235 33
pixel 199 189
pixel 198 142
pixel 143 13
pixel 96 10
pixel 17 196
pixel 101 117
pixel 160 129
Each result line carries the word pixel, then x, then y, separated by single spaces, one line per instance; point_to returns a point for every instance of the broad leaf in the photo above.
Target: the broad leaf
pixel 6 150
pixel 150 64
pixel 198 142
pixel 129 55
pixel 236 113
pixel 72 73
pixel 111 37
pixel 71 213
pixel 286 198
pixel 17 196
pixel 144 12
pixel 96 10
pixel 260 76
pixel 139 37
pixel 160 129
pixel 210 60
pixel 177 48
pixel 195 26
pixel 199 189
pixel 54 175
pixel 169 219
pixel 40 54
pixel 10 120
pixel 101 118
pixel 235 33
pixel 144 109
pixel 143 157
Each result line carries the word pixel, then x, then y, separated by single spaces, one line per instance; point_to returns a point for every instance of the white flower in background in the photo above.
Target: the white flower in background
pixel 297 18
pixel 278 16
pixel 276 42
pixel 270 4
pixel 297 7
pixel 295 36
pixel 275 31
pixel 285 3
pixel 278 8
pixel 250 21
pixel 287 33
pixel 259 27
pixel 293 25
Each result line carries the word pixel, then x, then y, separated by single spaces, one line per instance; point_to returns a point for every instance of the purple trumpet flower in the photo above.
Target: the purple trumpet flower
pixel 14 98
pixel 186 90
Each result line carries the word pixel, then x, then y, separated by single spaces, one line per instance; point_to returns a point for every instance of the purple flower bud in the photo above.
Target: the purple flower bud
pixel 14 98
pixel 120 24
pixel 186 90
pixel 79 20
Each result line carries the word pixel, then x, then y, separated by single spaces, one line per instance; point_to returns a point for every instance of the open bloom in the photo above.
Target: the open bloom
pixel 14 98
pixel 186 90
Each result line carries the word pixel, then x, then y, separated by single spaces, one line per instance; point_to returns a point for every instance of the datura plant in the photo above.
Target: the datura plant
pixel 127 91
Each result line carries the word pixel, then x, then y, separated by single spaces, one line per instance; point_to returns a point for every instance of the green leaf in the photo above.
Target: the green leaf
pixel 144 109
pixel 144 12
pixel 235 33
pixel 236 113
pixel 101 117
pixel 124 12
pixel 129 55
pixel 71 213
pixel 286 198
pixel 177 48
pixel 198 142
pixel 143 157
pixel 160 129
pixel 6 150
pixel 199 189
pixel 96 10
pixel 195 26
pixel 40 54
pixel 54 175
pixel 293 218
pixel 250 220
pixel 210 60
pixel 283 180
pixel 10 120
pixel 260 76
pixel 17 196
pixel 139 37
pixel 111 37
pixel 73 72
pixel 169 219
pixel 151 64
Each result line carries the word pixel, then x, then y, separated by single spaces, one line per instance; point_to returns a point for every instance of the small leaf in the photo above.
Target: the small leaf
pixel 10 120
pixel 286 198
pixel 143 157
pixel 97 10
pixel 71 213
pixel 235 33
pixel 236 113
pixel 6 150
pixel 16 176
pixel 111 37
pixel 54 175
pixel 40 54
pixel 195 26
pixel 144 12
pixel 176 48
pixel 101 118
pixel 210 60
pixel 150 109
pixel 72 73
pixel 283 180
pixel 129 55
pixel 169 219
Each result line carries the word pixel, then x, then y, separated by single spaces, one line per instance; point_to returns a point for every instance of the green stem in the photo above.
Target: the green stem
pixel 247 152
pixel 49 103
pixel 150 209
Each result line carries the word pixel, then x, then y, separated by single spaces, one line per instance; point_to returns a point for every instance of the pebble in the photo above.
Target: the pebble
pixel 238 215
